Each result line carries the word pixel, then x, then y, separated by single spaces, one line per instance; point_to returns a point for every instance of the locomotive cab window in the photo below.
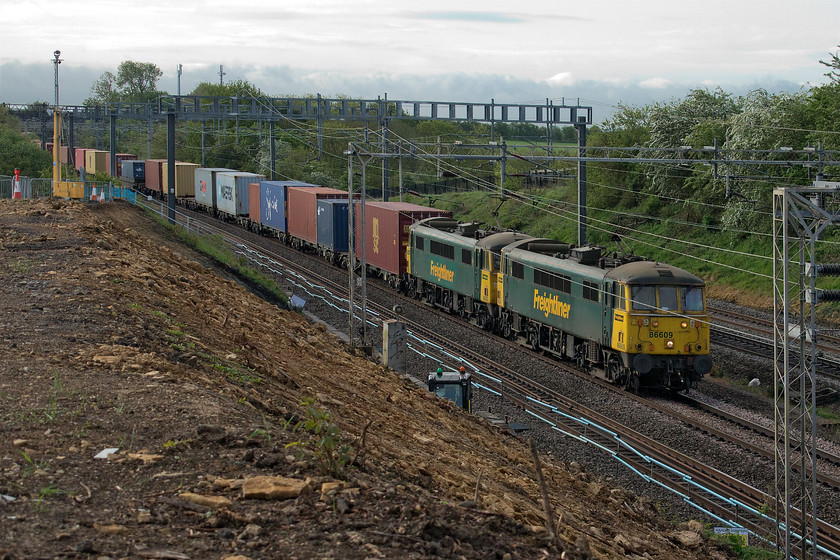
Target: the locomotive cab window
pixel 466 256
pixel 643 297
pixel 691 298
pixel 418 243
pixel 668 298
pixel 518 270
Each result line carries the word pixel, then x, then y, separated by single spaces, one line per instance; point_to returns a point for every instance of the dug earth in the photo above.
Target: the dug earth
pixel 153 407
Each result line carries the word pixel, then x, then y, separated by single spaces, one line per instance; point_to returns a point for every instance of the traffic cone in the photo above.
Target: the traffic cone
pixel 93 196
pixel 102 195
pixel 16 194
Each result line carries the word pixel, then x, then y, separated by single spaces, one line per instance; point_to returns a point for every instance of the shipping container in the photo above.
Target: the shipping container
pixel 64 151
pixel 79 157
pixel 273 202
pixel 120 158
pixel 154 174
pixel 254 202
pixel 95 161
pixel 232 191
pixel 134 171
pixel 184 179
pixel 205 185
pixel 332 225
pixel 302 210
pixel 387 232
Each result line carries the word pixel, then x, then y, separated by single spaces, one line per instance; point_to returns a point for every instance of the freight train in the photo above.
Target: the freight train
pixel 634 322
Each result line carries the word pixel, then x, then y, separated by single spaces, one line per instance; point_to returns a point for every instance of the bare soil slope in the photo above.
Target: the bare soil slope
pixel 115 336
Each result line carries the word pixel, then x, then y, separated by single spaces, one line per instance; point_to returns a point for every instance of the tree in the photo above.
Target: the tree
pixel 138 79
pixel 18 152
pixel 834 67
pixel 134 82
pixel 234 88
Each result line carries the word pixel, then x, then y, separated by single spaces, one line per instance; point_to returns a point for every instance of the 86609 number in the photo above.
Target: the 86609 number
pixel 660 334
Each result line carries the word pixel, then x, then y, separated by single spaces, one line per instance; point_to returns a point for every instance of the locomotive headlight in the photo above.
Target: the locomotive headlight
pixel 669 344
pixel 684 324
pixel 655 324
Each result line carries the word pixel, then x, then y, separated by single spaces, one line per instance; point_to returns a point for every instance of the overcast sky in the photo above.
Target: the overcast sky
pixel 602 52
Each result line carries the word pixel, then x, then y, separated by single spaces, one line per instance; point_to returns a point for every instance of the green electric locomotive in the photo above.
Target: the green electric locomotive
pixel 637 323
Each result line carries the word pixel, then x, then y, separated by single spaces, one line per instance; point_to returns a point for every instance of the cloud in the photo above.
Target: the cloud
pixel 561 79
pixel 25 83
pixel 482 17
pixel 655 83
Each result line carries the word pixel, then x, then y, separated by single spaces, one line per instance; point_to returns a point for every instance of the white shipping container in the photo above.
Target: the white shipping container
pixel 232 191
pixel 205 184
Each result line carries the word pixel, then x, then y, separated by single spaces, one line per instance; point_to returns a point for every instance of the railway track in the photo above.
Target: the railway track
pixel 671 469
pixel 754 334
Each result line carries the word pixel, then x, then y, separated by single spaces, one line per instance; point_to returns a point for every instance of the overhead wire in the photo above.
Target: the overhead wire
pixel 482 183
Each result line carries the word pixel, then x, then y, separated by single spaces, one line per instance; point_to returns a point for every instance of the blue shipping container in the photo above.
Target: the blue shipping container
pixel 332 225
pixel 273 202
pixel 134 170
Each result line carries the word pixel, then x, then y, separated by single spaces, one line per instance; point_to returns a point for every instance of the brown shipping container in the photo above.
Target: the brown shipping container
pixel 95 161
pixel 120 158
pixel 387 231
pixel 63 152
pixel 254 202
pixel 154 174
pixel 184 178
pixel 302 210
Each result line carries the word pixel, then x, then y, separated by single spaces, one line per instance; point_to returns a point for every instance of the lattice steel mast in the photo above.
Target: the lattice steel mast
pixel 800 216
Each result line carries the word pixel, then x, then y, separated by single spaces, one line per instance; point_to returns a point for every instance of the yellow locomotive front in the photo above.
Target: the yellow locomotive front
pixel 660 327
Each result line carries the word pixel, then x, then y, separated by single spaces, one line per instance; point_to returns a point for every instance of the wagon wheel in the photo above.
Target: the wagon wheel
pixel 613 369
pixel 580 356
pixel 411 289
pixel 481 319
pixel 633 383
pixel 506 329
pixel 532 337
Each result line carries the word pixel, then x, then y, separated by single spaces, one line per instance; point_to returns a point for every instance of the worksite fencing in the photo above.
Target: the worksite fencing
pixel 34 187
